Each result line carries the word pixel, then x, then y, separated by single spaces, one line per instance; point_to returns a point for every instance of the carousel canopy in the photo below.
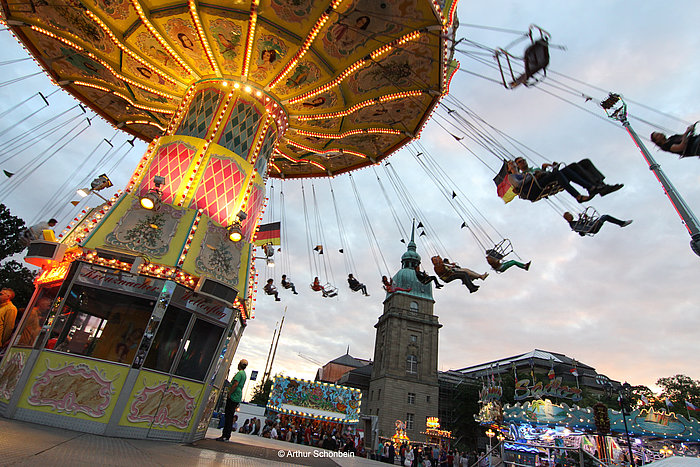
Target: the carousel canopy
pixel 357 78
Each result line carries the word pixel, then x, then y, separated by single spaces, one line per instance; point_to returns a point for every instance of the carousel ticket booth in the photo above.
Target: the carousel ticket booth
pixel 119 354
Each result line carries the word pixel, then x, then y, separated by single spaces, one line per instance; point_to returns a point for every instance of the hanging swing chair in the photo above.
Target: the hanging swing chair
pixel 587 220
pixel 495 255
pixel 535 58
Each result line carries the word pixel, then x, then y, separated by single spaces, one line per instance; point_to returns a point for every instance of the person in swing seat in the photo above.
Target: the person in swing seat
pixel 390 287
pixel 288 285
pixel 495 260
pixel 270 289
pixel 425 278
pixel 586 225
pixel 583 173
pixel 448 271
pixel 317 287
pixel 356 285
pixel 685 145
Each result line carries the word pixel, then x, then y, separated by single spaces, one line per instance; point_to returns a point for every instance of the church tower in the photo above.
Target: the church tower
pixel 404 381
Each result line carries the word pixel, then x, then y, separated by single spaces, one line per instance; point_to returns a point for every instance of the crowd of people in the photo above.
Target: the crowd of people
pixel 426 456
pixel 299 430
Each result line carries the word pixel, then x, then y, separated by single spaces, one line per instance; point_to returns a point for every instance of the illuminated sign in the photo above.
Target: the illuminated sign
pixel 53 274
pixel 432 422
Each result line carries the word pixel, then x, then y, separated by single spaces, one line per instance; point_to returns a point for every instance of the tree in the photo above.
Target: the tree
pixel 261 393
pixel 18 278
pixel 678 389
pixel 11 229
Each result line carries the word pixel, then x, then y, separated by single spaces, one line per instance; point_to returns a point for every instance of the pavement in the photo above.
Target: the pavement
pixel 28 444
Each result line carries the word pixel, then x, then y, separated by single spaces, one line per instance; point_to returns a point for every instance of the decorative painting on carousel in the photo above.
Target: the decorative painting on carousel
pixel 324 102
pixel 225 41
pixel 305 75
pixel 184 39
pixel 11 371
pixel 157 402
pixel 403 69
pixel 72 386
pixel 219 257
pixel 146 231
pixel 368 20
pixel 269 57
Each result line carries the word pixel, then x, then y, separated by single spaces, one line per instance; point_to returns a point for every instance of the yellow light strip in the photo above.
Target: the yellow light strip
pixel 159 38
pixel 356 107
pixel 357 65
pixel 320 153
pixel 129 52
pixel 102 62
pixel 307 44
pixel 144 122
pixel 385 131
pixel 203 37
pixel 249 39
pixel 301 160
pixel 138 106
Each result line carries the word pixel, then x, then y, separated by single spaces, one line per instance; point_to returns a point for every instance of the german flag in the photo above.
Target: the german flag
pixel 503 186
pixel 268 233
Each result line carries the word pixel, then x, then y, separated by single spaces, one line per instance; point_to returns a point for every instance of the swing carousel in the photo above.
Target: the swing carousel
pixel 142 301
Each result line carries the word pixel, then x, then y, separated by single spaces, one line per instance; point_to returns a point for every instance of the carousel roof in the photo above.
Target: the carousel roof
pixel 357 78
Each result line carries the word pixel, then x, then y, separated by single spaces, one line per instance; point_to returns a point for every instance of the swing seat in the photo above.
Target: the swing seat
pixel 331 291
pixel 587 221
pixel 533 191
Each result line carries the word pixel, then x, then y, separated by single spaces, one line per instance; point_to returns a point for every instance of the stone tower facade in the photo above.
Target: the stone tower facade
pixel 404 382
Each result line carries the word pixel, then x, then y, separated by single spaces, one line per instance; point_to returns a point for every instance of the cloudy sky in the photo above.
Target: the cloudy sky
pixel 625 301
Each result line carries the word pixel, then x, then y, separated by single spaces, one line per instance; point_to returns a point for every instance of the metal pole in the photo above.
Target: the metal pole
pixel 629 443
pixel 616 109
pixel 678 202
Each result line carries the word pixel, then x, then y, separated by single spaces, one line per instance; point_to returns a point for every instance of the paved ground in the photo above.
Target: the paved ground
pixel 28 444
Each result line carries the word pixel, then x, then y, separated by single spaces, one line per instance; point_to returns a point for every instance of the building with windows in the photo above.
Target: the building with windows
pixel 404 378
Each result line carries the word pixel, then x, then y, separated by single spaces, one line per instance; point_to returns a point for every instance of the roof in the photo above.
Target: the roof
pixel 536 354
pixel 348 360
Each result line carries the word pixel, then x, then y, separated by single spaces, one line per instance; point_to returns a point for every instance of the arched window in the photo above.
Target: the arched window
pixel 411 364
pixel 413 306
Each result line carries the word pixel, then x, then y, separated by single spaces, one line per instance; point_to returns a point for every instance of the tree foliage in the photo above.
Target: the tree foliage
pixel 261 393
pixel 11 229
pixel 18 278
pixel 678 389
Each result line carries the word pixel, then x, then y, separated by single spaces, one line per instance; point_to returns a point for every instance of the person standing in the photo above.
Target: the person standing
pixel 8 314
pixel 233 400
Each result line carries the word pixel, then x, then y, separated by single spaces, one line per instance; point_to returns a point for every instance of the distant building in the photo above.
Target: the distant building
pixel 332 371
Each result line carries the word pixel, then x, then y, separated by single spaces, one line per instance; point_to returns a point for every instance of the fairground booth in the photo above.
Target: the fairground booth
pixel 329 407
pixel 541 432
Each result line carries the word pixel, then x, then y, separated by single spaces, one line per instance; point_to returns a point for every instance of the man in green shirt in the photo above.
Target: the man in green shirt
pixel 233 400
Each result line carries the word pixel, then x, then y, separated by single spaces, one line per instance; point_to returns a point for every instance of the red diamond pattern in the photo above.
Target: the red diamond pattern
pixel 255 202
pixel 221 184
pixel 171 162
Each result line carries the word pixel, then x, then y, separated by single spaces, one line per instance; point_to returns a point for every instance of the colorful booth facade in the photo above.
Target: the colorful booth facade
pixel 119 354
pixel 315 400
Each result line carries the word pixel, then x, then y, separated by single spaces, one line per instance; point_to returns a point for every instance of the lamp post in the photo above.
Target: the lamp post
pixel 616 109
pixel 490 433
pixel 624 397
